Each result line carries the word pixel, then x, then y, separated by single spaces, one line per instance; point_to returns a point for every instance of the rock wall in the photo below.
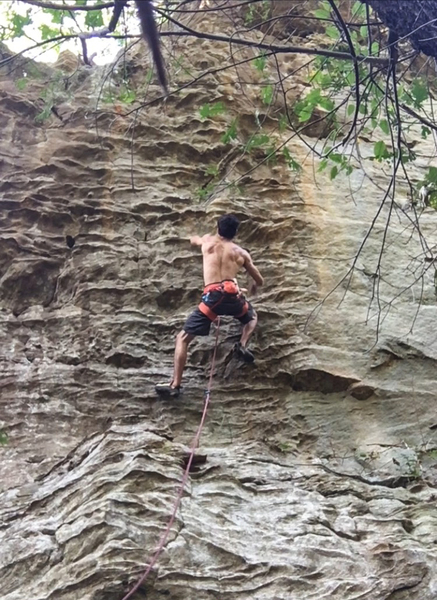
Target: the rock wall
pixel 320 476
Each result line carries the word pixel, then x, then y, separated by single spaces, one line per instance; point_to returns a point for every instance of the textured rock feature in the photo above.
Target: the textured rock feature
pixel 361 391
pixel 306 491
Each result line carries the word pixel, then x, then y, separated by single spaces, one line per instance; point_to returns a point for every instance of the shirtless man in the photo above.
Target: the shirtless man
pixel 222 259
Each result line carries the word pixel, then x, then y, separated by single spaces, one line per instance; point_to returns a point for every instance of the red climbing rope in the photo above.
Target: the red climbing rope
pixel 164 536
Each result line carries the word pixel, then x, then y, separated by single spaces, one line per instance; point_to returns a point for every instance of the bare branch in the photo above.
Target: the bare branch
pixel 67 7
pixel 270 47
pixel 342 26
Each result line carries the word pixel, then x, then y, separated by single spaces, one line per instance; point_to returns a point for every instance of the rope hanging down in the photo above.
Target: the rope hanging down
pixel 196 439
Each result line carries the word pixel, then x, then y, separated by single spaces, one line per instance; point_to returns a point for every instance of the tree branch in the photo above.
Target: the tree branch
pixel 67 7
pixel 270 47
pixel 118 9
pixel 342 27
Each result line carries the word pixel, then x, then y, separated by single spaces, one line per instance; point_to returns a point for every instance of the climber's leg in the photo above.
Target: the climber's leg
pixel 183 340
pixel 196 324
pixel 249 322
pixel 248 329
pixel 180 357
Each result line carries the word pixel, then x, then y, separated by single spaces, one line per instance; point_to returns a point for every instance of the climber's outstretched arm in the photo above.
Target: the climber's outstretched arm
pixel 257 278
pixel 196 240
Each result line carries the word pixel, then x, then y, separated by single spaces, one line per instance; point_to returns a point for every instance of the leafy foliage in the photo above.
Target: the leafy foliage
pixel 53 93
pixel 231 132
pixel 354 100
pixel 207 111
pixel 257 12
pixel 94 19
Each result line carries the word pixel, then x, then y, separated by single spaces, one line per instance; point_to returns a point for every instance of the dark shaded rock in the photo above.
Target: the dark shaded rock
pixel 29 282
pixel 361 391
pixel 317 380
pixel 124 360
pixel 70 241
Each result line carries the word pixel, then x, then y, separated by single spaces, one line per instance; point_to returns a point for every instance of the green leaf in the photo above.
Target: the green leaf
pixel 260 62
pixel 305 115
pixel 203 192
pixel 282 123
pixel 358 11
pixel 108 97
pixel 291 162
pixel 323 165
pixel 18 23
pixel 425 132
pixel 47 33
pixel 364 31
pixel 351 78
pixel 127 96
pixel 211 110
pixel 380 150
pixel 384 126
pixel 257 141
pixel 231 132
pixel 217 109
pixel 351 109
pixel 212 170
pixel 431 176
pixel 94 19
pixel 374 49
pixel 334 172
pixel 354 36
pixel 313 97
pixel 20 84
pixel 271 156
pixel 56 14
pixel 326 103
pixel 305 107
pixel 321 13
pixel 420 93
pixel 3 438
pixel 337 158
pixel 267 94
pixel 44 114
pixel 324 80
pixel 407 156
pixel 332 32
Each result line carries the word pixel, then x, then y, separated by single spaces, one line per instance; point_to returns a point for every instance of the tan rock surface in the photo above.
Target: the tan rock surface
pixel 307 492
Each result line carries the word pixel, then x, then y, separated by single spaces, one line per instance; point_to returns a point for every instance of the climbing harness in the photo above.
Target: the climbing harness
pixel 196 439
pixel 227 286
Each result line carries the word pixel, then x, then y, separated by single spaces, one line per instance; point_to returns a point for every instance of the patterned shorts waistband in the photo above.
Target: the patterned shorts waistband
pixel 228 286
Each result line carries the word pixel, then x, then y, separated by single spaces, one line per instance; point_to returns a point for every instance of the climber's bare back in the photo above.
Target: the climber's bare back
pixel 223 259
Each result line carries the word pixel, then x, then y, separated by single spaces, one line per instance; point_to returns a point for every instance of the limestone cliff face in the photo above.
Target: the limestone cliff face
pixel 320 478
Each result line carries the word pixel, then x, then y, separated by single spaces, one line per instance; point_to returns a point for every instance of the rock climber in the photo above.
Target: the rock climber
pixel 222 260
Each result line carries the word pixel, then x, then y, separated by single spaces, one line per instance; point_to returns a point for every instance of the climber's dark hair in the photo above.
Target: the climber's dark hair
pixel 228 226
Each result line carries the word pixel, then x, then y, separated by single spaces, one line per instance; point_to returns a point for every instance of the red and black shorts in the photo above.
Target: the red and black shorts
pixel 218 302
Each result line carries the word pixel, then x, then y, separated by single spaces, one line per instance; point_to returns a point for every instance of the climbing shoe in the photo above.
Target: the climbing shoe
pixel 165 389
pixel 243 354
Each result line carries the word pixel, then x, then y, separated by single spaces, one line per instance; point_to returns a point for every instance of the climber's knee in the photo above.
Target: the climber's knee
pixel 183 338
